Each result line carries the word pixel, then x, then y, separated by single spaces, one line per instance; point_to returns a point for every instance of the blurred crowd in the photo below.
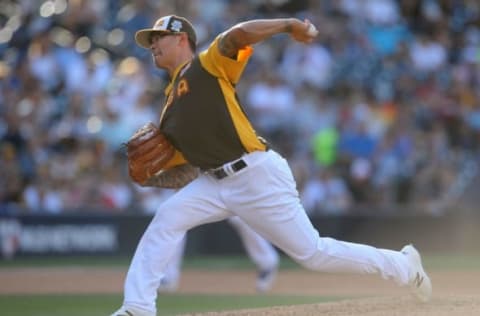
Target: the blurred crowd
pixel 380 114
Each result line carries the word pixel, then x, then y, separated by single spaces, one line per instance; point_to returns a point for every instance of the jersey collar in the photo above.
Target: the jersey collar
pixel 178 72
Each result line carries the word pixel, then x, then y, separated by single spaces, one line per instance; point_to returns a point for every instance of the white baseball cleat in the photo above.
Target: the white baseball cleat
pixel 132 311
pixel 420 284
pixel 265 279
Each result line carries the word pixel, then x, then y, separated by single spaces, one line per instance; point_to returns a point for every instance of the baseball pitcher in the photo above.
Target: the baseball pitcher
pixel 225 169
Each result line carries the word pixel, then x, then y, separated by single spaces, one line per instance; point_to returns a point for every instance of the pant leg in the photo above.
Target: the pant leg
pixel 197 203
pixel 259 250
pixel 174 266
pixel 266 198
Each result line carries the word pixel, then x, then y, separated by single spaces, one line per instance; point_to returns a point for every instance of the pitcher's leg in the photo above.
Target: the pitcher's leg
pixel 298 238
pixel 154 251
pixel 260 251
pixel 170 280
pixel 279 216
pixel 189 207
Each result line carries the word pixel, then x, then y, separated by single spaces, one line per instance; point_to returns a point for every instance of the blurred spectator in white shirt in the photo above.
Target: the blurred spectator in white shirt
pixel 326 193
pixel 310 64
pixel 426 54
pixel 271 100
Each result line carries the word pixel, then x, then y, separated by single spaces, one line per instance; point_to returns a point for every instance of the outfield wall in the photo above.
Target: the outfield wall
pixel 28 235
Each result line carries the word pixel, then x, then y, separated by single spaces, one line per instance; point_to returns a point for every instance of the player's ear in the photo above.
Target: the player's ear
pixel 184 39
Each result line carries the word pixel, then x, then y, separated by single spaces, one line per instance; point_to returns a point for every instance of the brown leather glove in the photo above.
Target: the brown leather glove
pixel 148 151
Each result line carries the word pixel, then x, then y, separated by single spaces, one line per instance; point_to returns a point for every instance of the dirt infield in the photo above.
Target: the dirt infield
pixel 455 292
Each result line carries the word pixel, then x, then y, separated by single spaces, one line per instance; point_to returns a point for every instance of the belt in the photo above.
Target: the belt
pixel 228 169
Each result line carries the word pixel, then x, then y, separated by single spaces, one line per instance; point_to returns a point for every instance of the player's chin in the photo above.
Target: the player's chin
pixel 158 62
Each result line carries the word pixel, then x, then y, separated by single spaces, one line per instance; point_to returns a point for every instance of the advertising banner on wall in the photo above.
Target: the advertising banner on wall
pixel 65 235
pixel 70 234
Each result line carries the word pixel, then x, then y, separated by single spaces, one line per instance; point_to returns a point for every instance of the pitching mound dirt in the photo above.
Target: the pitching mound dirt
pixel 391 306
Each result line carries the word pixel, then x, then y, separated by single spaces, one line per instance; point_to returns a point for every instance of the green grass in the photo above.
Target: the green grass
pixel 172 304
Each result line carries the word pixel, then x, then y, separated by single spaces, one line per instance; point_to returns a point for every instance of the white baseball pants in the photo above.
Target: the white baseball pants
pixel 259 250
pixel 264 195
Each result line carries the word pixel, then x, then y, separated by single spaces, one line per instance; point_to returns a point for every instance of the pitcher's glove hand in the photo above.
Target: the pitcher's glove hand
pixel 174 178
pixel 148 151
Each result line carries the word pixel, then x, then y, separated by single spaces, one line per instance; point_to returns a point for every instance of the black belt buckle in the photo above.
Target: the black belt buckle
pixel 220 173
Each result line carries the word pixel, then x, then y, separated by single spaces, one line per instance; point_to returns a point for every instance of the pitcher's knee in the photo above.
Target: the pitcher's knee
pixel 316 259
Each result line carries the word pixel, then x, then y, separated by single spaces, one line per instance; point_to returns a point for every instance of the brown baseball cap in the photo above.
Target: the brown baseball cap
pixel 167 24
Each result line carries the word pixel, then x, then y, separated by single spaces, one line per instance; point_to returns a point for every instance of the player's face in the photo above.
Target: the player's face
pixel 163 47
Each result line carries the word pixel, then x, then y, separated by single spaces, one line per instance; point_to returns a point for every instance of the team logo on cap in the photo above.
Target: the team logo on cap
pixel 176 26
pixel 160 23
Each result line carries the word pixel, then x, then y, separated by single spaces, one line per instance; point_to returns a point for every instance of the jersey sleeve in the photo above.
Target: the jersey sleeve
pixel 224 67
